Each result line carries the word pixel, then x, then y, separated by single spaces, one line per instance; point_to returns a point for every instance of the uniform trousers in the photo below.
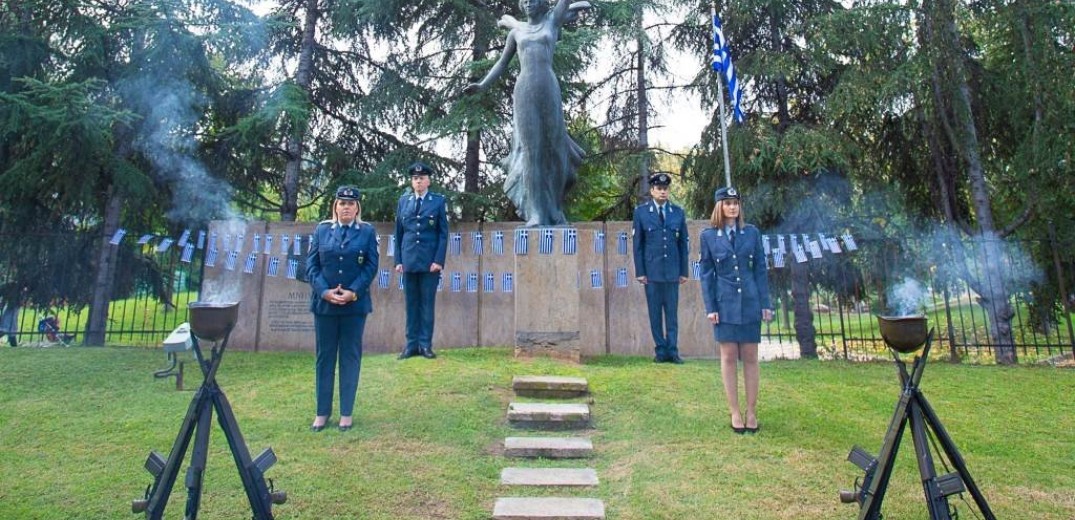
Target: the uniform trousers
pixel 338 337
pixel 420 292
pixel 662 300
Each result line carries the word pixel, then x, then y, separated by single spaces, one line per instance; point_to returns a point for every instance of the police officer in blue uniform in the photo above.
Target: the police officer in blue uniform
pixel 340 267
pixel 660 254
pixel 421 245
pixel 735 289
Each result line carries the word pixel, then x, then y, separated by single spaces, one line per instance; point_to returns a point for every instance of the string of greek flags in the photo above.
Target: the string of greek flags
pixel 288 250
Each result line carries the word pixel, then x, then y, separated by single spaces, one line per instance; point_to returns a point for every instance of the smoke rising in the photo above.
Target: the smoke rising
pixel 908 298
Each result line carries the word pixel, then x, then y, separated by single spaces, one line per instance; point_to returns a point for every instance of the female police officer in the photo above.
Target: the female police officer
pixel 735 288
pixel 340 267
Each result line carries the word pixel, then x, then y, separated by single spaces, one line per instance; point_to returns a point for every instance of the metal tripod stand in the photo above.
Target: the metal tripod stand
pixel 199 417
pixel 913 409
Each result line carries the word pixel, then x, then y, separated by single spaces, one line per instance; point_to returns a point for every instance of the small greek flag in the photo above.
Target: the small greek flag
pixel 440 282
pixel 778 259
pixel 509 283
pixel 498 243
pixel 400 278
pixel 164 245
pixel 257 242
pixel 182 242
pixel 382 278
pixel 268 244
pixel 849 242
pixel 457 282
pixel 201 240
pixel 522 241
pixel 478 246
pixel 798 251
pixel 145 239
pixel 780 244
pixel 292 268
pixel 285 244
pixel 248 266
pixel 812 245
pixel 490 282
pixel 765 244
pixel 621 277
pixel 696 270
pixel 188 253
pixel 296 244
pixel 391 245
pixel 210 258
pixel 229 261
pixel 227 243
pixel 599 242
pixel 117 237
pixel 545 246
pixel 722 64
pixel 571 241
pixel 212 240
pixel 378 239
pixel 834 245
pixel 457 244
pixel 595 279
pixel 274 266
pixel 239 242
pixel 621 243
pixel 309 243
pixel 472 282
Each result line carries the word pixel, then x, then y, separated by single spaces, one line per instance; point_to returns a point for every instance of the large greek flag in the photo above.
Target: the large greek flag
pixel 722 64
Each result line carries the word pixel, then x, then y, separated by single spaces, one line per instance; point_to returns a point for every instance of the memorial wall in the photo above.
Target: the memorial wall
pixel 262 265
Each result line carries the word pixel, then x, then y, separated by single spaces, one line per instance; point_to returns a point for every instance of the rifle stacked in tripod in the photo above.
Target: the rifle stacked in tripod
pixel 906 335
pixel 210 323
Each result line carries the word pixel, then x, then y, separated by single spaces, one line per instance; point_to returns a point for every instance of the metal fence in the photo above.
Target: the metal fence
pixel 157 276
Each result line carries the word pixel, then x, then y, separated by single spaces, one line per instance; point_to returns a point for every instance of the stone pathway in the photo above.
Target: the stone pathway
pixel 548 416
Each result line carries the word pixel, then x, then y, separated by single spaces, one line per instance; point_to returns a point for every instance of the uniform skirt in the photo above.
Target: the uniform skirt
pixel 737 332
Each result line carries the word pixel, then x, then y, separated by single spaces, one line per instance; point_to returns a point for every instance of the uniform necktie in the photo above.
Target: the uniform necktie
pixel 660 213
pixel 418 206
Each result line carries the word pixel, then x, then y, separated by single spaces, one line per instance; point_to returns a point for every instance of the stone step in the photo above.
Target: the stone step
pixel 548 477
pixel 549 508
pixel 550 416
pixel 550 386
pixel 548 447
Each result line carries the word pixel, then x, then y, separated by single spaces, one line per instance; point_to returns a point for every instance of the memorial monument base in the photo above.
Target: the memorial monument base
pixel 547 304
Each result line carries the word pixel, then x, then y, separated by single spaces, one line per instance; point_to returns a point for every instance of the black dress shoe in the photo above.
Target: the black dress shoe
pixel 660 359
pixel 428 353
pixel 676 359
pixel 317 428
pixel 345 427
pixel 752 430
pixel 739 431
pixel 406 354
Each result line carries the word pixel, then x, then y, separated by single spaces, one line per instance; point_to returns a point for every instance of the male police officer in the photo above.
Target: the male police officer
pixel 421 245
pixel 660 254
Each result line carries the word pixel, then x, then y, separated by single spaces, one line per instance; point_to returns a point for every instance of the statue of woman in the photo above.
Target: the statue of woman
pixel 543 159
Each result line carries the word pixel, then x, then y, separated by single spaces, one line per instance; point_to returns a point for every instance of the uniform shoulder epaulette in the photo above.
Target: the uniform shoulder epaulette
pixel 329 221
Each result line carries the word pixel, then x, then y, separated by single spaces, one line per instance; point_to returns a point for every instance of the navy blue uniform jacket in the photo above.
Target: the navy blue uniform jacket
pixel 421 239
pixel 350 262
pixel 735 282
pixel 660 250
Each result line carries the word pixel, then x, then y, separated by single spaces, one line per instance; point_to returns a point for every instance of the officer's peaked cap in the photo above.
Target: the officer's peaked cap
pixel 347 193
pixel 419 168
pixel 660 179
pixel 726 192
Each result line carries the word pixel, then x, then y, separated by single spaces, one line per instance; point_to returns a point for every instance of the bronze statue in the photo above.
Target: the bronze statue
pixel 543 160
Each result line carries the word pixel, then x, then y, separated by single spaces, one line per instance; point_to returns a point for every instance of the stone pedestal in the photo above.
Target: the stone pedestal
pixel 547 300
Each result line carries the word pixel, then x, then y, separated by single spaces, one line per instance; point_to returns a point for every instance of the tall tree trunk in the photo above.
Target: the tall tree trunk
pixel 472 161
pixel 289 205
pixel 105 272
pixel 804 316
pixel 643 110
pixel 953 90
pixel 783 114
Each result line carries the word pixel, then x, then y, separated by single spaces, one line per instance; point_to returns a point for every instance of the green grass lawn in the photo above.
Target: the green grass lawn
pixel 76 425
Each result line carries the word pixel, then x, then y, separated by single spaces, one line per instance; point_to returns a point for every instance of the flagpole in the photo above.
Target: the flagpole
pixel 720 99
